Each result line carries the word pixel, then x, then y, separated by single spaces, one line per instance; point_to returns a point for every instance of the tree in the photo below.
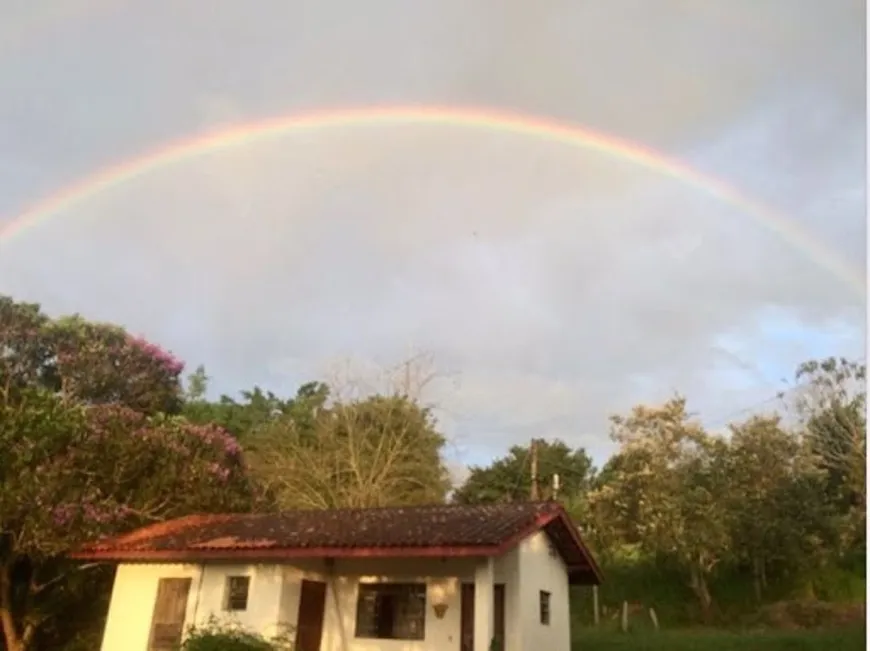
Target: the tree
pixel 379 451
pixel 508 479
pixel 665 492
pixel 71 473
pixel 197 386
pixel 101 363
pixel 832 408
pixel 85 362
pixel 89 446
pixel 26 354
pixel 767 467
pixel 255 408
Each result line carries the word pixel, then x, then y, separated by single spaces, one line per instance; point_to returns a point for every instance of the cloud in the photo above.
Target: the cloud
pixel 553 285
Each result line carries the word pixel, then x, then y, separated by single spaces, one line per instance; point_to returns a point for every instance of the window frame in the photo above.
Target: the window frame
pixel 406 615
pixel 544 607
pixel 228 603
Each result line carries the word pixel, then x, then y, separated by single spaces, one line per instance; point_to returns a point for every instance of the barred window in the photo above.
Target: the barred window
pixel 391 611
pixel 237 593
pixel 544 600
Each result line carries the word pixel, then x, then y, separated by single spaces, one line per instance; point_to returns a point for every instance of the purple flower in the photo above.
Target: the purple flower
pixel 63 514
pixel 219 471
pixel 170 363
pixel 219 438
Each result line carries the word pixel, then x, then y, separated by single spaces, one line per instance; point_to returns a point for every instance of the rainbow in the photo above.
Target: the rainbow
pixel 467 118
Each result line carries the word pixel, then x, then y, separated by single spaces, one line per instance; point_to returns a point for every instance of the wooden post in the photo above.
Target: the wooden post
pixel 624 619
pixel 654 618
pixel 533 453
pixel 595 614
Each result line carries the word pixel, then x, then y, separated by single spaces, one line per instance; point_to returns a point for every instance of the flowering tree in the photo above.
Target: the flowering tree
pixel 71 473
pixel 90 447
pixel 88 362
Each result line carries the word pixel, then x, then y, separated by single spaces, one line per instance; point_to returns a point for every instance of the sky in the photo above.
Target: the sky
pixel 547 286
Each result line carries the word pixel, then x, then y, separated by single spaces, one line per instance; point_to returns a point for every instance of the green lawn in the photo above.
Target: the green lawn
pixel 835 640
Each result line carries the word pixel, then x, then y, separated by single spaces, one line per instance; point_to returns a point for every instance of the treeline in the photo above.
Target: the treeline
pixel 100 433
pixel 705 526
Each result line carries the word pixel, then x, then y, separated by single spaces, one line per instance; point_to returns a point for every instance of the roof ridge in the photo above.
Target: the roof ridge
pixel 420 507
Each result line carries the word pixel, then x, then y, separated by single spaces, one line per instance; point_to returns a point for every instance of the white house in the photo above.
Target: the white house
pixel 432 578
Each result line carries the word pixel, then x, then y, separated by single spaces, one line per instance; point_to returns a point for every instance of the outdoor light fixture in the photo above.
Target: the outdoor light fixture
pixel 440 609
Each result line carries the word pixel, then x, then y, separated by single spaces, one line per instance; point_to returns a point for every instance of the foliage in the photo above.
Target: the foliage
pixel 94 470
pixel 833 410
pixel 72 473
pixel 90 447
pixel 776 525
pixel 851 639
pixel 666 493
pixel 217 636
pixel 256 407
pixel 98 436
pixel 85 362
pixel 508 479
pixel 770 511
pixel 379 451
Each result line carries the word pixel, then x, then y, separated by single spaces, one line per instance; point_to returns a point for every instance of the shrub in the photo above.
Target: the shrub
pixel 215 636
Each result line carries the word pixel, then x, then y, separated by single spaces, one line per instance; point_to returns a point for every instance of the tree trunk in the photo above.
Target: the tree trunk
pixel 7 623
pixel 698 584
pixel 10 635
pixel 757 577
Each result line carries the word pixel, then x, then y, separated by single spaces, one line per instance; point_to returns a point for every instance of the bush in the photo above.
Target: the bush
pixel 215 636
pixel 810 614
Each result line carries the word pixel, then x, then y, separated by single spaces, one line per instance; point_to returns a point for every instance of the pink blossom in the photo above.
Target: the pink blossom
pixel 167 360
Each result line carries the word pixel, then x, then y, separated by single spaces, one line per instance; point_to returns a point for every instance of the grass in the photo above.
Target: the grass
pixel 852 639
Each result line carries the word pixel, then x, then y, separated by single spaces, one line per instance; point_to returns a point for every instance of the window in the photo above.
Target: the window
pixel 237 593
pixel 544 600
pixel 391 611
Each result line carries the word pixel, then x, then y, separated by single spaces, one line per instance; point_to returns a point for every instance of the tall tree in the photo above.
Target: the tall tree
pixel 379 451
pixel 508 479
pixel 666 491
pixel 89 446
pixel 85 362
pixel 767 467
pixel 253 408
pixel 831 404
pixel 70 473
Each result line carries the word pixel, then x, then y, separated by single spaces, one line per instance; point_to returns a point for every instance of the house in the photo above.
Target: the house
pixel 428 578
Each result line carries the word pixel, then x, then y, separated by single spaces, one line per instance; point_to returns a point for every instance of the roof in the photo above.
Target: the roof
pixel 416 531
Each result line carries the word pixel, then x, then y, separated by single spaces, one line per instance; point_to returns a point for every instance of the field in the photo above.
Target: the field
pixel 700 640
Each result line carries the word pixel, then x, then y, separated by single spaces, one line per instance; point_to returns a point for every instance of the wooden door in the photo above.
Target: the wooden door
pixel 498 614
pixel 170 607
pixel 309 623
pixel 466 616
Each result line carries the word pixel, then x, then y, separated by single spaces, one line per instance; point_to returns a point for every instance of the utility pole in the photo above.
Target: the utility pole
pixel 533 455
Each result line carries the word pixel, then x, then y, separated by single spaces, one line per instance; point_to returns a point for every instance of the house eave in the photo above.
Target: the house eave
pixel 278 554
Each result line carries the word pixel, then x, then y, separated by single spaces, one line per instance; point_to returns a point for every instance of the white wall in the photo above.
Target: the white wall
pixel 507 571
pixel 128 624
pixel 542 568
pixel 442 579
pixel 273 599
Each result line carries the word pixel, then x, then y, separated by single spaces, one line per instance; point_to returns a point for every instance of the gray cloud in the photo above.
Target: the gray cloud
pixel 554 285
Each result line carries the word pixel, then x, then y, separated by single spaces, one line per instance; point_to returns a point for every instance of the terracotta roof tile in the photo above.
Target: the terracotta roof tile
pixel 336 532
